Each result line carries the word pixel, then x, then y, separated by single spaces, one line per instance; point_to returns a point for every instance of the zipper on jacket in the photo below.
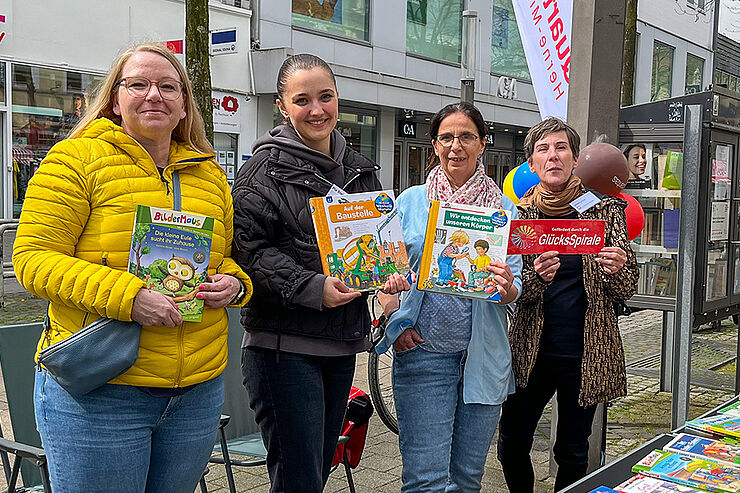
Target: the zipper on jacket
pixel 180 354
pixel 359 172
pixel 166 183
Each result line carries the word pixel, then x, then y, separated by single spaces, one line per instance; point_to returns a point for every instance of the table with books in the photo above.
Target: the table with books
pixel 704 455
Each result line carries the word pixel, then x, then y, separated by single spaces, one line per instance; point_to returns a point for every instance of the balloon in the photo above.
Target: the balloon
pixel 603 167
pixel 635 215
pixel 509 186
pixel 524 179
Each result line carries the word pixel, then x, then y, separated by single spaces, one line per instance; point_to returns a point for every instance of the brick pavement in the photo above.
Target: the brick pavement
pixel 643 413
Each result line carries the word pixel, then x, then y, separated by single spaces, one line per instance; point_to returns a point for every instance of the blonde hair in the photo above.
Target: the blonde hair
pixel 460 236
pixel 190 130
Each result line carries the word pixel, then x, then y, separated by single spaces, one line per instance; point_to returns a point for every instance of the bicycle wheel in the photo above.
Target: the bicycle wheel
pixel 380 381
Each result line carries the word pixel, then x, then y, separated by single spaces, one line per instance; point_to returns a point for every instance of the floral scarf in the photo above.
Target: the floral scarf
pixel 479 190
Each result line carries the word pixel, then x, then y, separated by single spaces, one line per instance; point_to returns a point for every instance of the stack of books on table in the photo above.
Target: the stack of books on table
pixel 691 462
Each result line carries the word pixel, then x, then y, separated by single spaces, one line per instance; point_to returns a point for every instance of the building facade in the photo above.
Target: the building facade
pixel 396 62
pixel 674 48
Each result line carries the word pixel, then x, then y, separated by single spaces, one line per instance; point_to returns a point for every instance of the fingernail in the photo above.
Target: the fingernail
pixel 201 286
pixel 199 296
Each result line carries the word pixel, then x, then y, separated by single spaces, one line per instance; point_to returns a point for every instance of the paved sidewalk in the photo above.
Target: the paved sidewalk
pixel 634 419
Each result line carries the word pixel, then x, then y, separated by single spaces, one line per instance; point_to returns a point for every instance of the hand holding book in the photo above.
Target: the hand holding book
pixel 155 309
pixel 504 280
pixel 219 290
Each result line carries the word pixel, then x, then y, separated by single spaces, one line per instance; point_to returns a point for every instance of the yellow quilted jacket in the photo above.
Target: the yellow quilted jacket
pixel 73 241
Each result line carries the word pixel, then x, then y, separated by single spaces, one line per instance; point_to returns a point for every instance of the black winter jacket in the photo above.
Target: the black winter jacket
pixel 275 243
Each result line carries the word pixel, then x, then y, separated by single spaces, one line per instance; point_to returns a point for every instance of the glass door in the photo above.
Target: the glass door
pixel 414 159
pixel 720 268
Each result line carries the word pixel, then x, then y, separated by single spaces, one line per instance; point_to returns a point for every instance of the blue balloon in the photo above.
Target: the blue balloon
pixel 523 180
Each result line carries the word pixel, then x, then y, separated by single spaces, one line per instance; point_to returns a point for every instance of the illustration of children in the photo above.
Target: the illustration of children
pixel 479 264
pixel 450 254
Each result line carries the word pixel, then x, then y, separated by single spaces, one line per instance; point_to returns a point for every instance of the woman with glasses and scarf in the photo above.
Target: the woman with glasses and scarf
pixel 452 364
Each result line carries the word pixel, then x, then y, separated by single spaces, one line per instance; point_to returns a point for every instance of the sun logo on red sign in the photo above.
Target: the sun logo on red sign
pixel 230 104
pixel 523 237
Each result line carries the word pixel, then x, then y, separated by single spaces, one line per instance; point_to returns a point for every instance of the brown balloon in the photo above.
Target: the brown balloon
pixel 603 167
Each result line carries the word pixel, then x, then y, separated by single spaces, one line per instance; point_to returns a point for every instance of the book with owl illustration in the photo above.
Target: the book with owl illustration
pixel 170 251
pixel 359 238
pixel 460 242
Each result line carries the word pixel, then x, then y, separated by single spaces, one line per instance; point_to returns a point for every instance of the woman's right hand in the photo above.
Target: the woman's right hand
pixel 407 340
pixel 546 265
pixel 155 309
pixel 336 293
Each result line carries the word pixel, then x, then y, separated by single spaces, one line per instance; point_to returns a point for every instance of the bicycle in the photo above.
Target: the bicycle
pixel 380 375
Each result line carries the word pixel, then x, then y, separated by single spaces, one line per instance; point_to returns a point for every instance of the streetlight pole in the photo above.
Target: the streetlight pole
pixel 469 55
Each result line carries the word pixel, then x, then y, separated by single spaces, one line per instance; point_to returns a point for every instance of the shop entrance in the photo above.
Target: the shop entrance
pixel 410 160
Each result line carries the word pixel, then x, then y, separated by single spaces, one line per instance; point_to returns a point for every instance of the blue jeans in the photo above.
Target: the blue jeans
pixel 444 441
pixel 299 403
pixel 119 439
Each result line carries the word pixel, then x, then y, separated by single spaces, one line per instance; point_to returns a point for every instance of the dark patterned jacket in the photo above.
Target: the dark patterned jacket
pixel 603 375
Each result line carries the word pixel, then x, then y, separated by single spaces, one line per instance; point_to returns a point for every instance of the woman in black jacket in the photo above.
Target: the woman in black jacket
pixel 303 328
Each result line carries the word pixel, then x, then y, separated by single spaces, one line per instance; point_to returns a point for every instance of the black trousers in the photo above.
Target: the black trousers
pixel 299 402
pixel 523 410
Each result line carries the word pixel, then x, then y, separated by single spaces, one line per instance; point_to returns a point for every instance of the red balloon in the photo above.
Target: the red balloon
pixel 603 167
pixel 635 216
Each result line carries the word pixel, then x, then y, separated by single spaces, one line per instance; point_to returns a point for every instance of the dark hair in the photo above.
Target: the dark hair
pixel 302 61
pixel 481 244
pixel 632 146
pixel 548 126
pixel 466 109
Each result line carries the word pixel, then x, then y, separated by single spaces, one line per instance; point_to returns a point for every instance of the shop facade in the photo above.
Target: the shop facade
pixel 46 87
pixel 396 64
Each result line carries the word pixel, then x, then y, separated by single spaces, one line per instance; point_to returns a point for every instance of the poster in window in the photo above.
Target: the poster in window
pixel 720 224
pixel 325 10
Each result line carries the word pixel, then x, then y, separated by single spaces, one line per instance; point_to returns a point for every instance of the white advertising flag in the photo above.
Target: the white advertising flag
pixel 545 28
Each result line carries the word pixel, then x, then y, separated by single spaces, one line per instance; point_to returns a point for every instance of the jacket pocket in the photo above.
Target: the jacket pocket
pixel 307 254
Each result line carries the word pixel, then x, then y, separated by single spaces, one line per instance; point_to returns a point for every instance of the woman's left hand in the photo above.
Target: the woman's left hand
pixel 504 280
pixel 219 290
pixel 397 283
pixel 612 259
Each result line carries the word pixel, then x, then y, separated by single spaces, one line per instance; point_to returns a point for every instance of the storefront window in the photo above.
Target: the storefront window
pixel 507 52
pixel 434 27
pixel 360 131
pixel 662 72
pixel 47 103
pixel 694 73
pixel 346 18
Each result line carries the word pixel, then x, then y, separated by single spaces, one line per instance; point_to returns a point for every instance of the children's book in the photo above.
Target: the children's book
pixel 646 484
pixel 359 237
pixel 720 424
pixel 170 251
pixel 603 489
pixel 734 408
pixel 690 471
pixel 460 241
pixel 705 448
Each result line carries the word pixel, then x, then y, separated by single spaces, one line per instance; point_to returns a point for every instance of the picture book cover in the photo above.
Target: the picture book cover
pixel 603 489
pixel 460 241
pixel 734 408
pixel 720 424
pixel 645 484
pixel 705 448
pixel 359 237
pixel 170 251
pixel 693 472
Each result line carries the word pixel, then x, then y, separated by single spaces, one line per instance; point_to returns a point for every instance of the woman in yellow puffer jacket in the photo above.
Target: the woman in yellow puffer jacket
pixel 142 142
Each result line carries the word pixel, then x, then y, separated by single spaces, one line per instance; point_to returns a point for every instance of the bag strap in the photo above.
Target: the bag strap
pixel 176 196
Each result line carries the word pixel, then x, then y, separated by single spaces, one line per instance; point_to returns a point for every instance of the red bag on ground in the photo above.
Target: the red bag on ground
pixel 359 410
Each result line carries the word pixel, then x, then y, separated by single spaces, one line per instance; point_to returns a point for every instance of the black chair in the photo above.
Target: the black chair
pixel 17 347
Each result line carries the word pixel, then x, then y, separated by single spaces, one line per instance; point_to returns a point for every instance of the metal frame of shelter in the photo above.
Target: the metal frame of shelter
pixel 708 250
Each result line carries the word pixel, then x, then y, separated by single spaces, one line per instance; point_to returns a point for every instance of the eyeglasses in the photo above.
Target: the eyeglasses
pixel 466 139
pixel 138 87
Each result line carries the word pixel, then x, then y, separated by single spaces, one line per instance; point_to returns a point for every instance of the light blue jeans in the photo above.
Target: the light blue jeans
pixel 119 439
pixel 444 442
